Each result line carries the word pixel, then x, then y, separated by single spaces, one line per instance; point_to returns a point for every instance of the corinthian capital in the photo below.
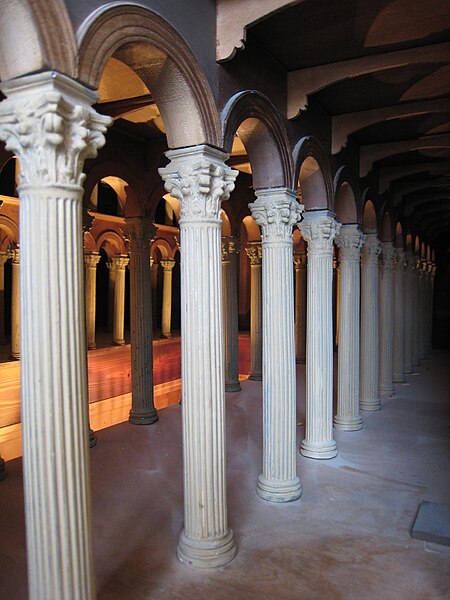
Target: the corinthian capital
pixel 319 229
pixel 350 241
pixel 199 178
pixel 254 252
pixel 48 122
pixel 387 256
pixel 91 260
pixel 139 232
pixel 276 211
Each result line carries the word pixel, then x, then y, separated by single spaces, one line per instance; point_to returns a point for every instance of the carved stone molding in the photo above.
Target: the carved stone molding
pixel 139 232
pixel 91 259
pixel 387 256
pixel 300 261
pixel 350 241
pixel 167 264
pixel 319 230
pixel 254 252
pixel 276 211
pixel 371 250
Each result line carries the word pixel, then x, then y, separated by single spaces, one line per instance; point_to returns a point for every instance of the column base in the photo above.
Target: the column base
pixel 233 387
pixel 206 554
pixel 146 418
pixel 14 355
pixel 166 335
pixel 274 490
pixel 408 370
pixel 92 438
pixel 348 423
pixel 371 404
pixel 387 392
pixel 2 469
pixel 400 378
pixel 119 342
pixel 301 360
pixel 322 451
pixel 92 346
pixel 255 376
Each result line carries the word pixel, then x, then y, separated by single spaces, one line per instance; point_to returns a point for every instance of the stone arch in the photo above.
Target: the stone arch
pixel 313 174
pixel 369 220
pixel 163 60
pixel 347 199
pixel 163 246
pixel 398 242
pixel 417 245
pixel 10 228
pixel 409 242
pixel 252 228
pixel 89 242
pixel 47 40
pixel 111 242
pixel 263 133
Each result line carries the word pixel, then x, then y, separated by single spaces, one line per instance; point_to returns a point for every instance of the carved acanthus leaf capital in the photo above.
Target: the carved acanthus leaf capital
pixel 13 254
pixel 387 256
pixel 350 241
pixel 167 264
pixel 319 232
pixel 139 232
pixel 254 252
pixel 371 250
pixel 91 259
pixel 119 262
pixel 230 247
pixel 276 211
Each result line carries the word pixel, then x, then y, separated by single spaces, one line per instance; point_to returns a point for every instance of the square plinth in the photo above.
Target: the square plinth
pixel 432 523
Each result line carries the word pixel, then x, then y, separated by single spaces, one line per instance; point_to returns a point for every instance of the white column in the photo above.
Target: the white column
pixel 300 307
pixel 111 293
pixel 368 393
pixel 154 285
pixel 432 277
pixel 91 260
pixel 200 180
pixel 386 310
pixel 119 264
pixel 422 309
pixel 408 312
pixel 276 211
pixel 230 314
pixel 416 312
pixel 349 241
pixel 428 308
pixel 13 254
pixel 48 123
pixel 166 317
pixel 254 252
pixel 3 259
pixel 319 230
pixel 139 232
pixel 399 320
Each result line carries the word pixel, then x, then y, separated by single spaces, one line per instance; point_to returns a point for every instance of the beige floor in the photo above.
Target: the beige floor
pixel 347 538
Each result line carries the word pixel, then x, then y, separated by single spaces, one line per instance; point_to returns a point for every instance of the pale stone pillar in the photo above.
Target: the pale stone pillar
pixel 3 259
pixel 432 277
pixel 91 260
pixel 399 320
pixel 230 314
pixel 200 180
pixel 349 241
pixel 408 312
pixel 319 229
pixel 119 264
pixel 48 123
pixel 254 252
pixel 422 309
pixel 386 310
pixel 166 316
pixel 416 312
pixel 300 307
pixel 13 254
pixel 335 301
pixel 368 394
pixel 276 211
pixel 428 308
pixel 111 292
pixel 139 231
pixel 154 286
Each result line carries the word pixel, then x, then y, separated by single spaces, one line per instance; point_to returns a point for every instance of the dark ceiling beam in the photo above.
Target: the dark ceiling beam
pixel 117 108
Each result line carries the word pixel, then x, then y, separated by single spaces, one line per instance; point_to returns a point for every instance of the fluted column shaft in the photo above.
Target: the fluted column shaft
pixel 119 264
pixel 254 252
pixel 111 293
pixel 386 373
pixel 166 316
pixel 230 315
pixel 48 123
pixel 319 230
pixel 408 312
pixel 399 320
pixel 432 276
pixel 3 259
pixel 428 308
pixel 300 307
pixel 154 285
pixel 416 312
pixel 91 261
pixel 422 309
pixel 349 241
pixel 139 231
pixel 276 211
pixel 13 254
pixel 200 180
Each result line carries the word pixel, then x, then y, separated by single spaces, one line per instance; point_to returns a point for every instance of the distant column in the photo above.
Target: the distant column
pixel 13 254
pixel 408 312
pixel 166 317
pixel 230 314
pixel 399 320
pixel 300 307
pixel 154 286
pixel 119 263
pixel 416 312
pixel 254 252
pixel 386 387
pixel 3 259
pixel 111 291
pixel 422 309
pixel 91 260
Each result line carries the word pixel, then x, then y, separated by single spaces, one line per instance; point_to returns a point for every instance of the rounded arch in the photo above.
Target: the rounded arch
pixel 111 242
pixel 370 220
pixel 89 242
pixel 313 174
pixel 398 235
pixel 417 245
pixel 10 227
pixel 163 60
pixel 409 242
pixel 163 246
pixel 262 131
pixel 347 199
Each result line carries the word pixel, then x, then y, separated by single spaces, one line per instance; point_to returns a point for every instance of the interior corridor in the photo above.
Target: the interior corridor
pixel 346 538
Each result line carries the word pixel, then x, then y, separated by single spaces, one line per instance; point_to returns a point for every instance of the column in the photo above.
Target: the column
pixel 428 308
pixel 13 254
pixel 422 309
pixel 119 264
pixel 432 277
pixel 276 211
pixel 139 232
pixel 154 285
pixel 166 317
pixel 386 372
pixel 91 260
pixel 349 241
pixel 408 312
pixel 254 252
pixel 230 314
pixel 300 307
pixel 200 180
pixel 416 313
pixel 319 230
pixel 3 259
pixel 48 123
pixel 335 300
pixel 368 393
pixel 399 356
pixel 111 292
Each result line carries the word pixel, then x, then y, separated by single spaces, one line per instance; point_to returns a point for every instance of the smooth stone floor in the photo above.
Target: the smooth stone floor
pixel 348 538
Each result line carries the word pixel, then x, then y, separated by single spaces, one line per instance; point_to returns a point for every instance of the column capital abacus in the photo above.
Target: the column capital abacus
pixel 300 261
pixel 91 259
pixel 48 122
pixel 167 264
pixel 118 262
pixel 319 228
pixel 254 252
pixel 371 250
pixel 3 258
pixel 199 178
pixel 139 231
pixel 13 254
pixel 387 256
pixel 350 240
pixel 276 211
